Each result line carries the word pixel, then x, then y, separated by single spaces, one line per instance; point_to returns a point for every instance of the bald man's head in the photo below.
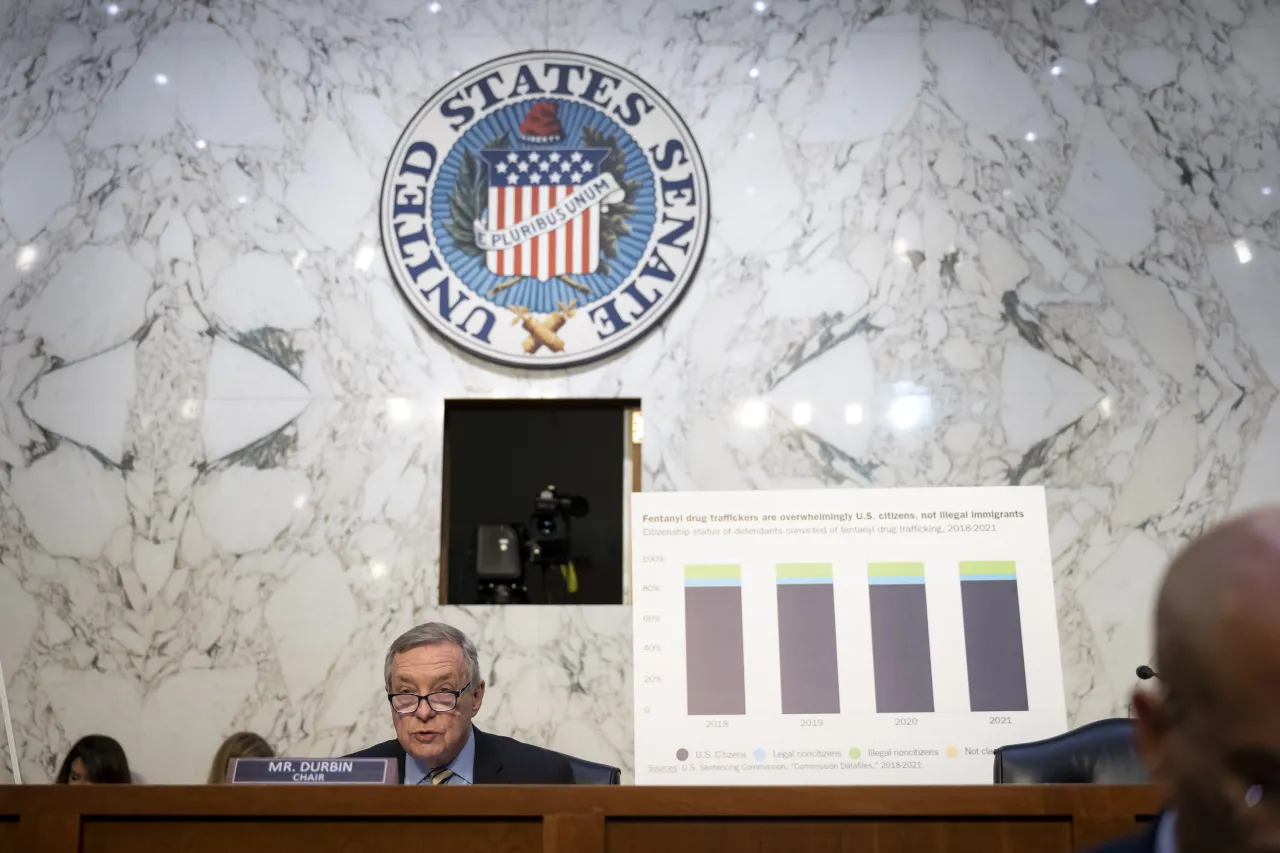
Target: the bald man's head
pixel 1213 737
pixel 1218 614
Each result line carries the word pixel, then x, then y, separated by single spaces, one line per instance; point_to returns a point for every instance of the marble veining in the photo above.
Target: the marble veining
pixel 955 242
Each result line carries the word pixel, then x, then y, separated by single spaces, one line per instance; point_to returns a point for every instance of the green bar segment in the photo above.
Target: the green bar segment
pixel 895 570
pixel 804 570
pixel 1004 568
pixel 713 572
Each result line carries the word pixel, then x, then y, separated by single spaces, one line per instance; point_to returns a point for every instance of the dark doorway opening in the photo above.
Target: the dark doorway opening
pixel 499 458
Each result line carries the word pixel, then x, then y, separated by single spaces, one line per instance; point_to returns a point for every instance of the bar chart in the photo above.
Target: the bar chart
pixel 807 639
pixel 900 638
pixel 715 675
pixel 993 636
pixel 860 636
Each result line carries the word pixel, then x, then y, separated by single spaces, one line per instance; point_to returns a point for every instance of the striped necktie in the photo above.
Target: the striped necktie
pixel 438 776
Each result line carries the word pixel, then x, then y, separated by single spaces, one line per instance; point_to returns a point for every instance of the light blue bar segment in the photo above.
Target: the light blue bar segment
pixel 712 582
pixel 788 581
pixel 1010 578
pixel 898 581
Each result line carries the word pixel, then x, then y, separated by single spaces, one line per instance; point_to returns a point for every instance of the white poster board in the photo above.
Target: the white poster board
pixel 869 636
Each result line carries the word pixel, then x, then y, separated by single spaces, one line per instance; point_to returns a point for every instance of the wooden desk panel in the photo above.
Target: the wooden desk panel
pixel 839 835
pixel 591 819
pixel 309 836
pixel 8 834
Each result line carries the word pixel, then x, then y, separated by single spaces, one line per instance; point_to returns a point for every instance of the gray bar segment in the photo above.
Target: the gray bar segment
pixel 993 645
pixel 900 648
pixel 713 650
pixel 807 643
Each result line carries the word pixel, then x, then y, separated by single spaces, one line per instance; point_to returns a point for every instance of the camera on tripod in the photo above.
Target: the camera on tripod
pixel 504 552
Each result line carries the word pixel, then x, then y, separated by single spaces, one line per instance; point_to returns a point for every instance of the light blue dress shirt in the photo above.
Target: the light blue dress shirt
pixel 463 766
pixel 1166 842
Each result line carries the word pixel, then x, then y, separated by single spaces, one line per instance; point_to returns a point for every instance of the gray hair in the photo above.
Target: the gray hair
pixel 429 634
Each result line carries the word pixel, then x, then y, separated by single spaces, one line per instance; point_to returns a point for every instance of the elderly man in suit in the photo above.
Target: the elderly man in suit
pixel 434 688
pixel 1211 736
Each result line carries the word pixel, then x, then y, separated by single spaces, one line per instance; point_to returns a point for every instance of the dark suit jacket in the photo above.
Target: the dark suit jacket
pixel 1144 843
pixel 498 760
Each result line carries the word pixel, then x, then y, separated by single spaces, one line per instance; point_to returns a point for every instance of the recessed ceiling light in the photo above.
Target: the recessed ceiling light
pixel 364 258
pixel 910 411
pixel 753 414
pixel 26 258
pixel 162 79
pixel 1243 252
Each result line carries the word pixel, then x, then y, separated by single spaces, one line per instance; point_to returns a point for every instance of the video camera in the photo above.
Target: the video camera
pixel 504 551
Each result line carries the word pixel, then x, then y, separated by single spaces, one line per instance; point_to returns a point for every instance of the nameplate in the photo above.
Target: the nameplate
pixel 313 771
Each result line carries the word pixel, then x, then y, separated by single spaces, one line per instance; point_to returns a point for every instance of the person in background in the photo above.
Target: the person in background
pixel 434 688
pixel 95 760
pixel 1211 735
pixel 239 745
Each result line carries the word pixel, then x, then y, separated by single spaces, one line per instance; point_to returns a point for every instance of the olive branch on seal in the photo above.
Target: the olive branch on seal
pixel 471 195
pixel 469 198
pixel 613 220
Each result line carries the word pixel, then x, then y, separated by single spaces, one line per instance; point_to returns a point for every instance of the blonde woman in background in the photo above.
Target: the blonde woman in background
pixel 239 745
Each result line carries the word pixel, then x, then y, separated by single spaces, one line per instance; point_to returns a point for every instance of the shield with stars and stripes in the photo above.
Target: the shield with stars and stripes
pixel 544 211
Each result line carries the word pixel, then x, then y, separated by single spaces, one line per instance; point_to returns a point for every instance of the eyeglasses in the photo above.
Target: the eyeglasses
pixel 439 701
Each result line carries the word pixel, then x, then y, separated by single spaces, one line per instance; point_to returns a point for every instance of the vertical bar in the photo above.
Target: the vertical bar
pixel 564 239
pixel 521 252
pixel 492 258
pixel 993 636
pixel 553 260
pixel 537 270
pixel 504 205
pixel 713 640
pixel 807 639
pixel 900 638
pixel 570 243
pixel 591 246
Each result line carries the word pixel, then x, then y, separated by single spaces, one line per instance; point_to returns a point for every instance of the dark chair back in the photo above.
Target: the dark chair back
pixel 590 773
pixel 1100 753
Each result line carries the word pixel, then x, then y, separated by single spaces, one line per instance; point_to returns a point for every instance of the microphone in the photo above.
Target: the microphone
pixel 1146 673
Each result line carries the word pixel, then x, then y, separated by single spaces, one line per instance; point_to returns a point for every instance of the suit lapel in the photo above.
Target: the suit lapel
pixel 488 760
pixel 400 760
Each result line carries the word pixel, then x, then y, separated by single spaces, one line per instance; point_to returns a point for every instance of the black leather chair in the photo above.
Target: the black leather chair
pixel 590 773
pixel 1100 753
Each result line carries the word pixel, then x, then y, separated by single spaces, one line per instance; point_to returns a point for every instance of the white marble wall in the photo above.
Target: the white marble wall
pixel 985 242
